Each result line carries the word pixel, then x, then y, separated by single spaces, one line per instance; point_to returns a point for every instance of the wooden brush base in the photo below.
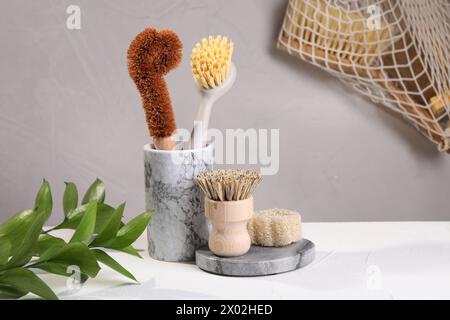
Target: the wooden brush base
pixel 229 236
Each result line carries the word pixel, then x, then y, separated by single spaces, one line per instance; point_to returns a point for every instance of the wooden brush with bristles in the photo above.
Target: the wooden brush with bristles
pixel 229 207
pixel 210 61
pixel 228 185
pixel 151 55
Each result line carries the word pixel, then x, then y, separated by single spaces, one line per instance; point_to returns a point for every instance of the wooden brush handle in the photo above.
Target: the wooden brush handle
pixel 229 236
pixel 165 143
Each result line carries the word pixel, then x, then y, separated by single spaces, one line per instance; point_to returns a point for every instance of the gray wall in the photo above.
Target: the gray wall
pixel 68 111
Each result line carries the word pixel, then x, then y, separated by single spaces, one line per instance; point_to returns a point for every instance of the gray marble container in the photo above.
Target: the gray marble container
pixel 179 225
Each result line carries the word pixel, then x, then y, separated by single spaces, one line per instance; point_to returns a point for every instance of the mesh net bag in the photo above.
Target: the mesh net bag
pixel 396 52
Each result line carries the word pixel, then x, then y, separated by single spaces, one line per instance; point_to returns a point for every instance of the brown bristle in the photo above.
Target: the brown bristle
pixel 228 185
pixel 151 55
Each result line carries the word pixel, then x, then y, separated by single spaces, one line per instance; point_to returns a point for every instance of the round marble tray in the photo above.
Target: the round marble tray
pixel 258 261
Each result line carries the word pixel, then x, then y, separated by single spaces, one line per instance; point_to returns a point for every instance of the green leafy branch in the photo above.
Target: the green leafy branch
pixel 25 246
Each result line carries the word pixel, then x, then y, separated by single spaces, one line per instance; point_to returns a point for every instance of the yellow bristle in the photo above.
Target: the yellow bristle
pixel 210 61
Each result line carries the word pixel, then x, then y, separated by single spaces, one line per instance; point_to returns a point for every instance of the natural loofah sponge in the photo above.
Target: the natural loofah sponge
pixel 275 227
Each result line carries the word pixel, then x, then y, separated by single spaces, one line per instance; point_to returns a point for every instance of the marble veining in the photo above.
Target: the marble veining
pixel 179 225
pixel 259 260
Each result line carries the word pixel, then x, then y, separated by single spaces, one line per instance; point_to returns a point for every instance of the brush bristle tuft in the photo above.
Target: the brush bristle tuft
pixel 210 61
pixel 151 55
pixel 228 185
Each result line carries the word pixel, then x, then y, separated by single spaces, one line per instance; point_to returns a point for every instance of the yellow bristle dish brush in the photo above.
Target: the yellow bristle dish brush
pixel 214 74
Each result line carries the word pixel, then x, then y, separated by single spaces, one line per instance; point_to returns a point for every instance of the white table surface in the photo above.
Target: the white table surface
pixel 370 260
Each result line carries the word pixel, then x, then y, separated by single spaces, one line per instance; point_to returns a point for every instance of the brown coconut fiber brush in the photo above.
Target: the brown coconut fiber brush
pixel 151 55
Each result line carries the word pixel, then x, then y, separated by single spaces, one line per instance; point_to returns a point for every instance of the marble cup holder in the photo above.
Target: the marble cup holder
pixel 179 225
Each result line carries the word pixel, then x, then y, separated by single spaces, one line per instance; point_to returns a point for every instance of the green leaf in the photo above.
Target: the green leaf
pixel 132 230
pixel 130 250
pixel 46 242
pixel 5 250
pixel 70 198
pixel 44 202
pixel 61 269
pixel 104 258
pixel 77 254
pixel 16 227
pixel 77 213
pixel 9 292
pixel 109 232
pixel 26 249
pixel 96 192
pixel 24 280
pixel 104 214
pixel 86 228
pixel 48 254
pixel 73 218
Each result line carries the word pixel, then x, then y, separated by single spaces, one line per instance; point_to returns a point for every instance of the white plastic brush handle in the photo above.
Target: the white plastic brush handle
pixel 199 136
pixel 200 131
